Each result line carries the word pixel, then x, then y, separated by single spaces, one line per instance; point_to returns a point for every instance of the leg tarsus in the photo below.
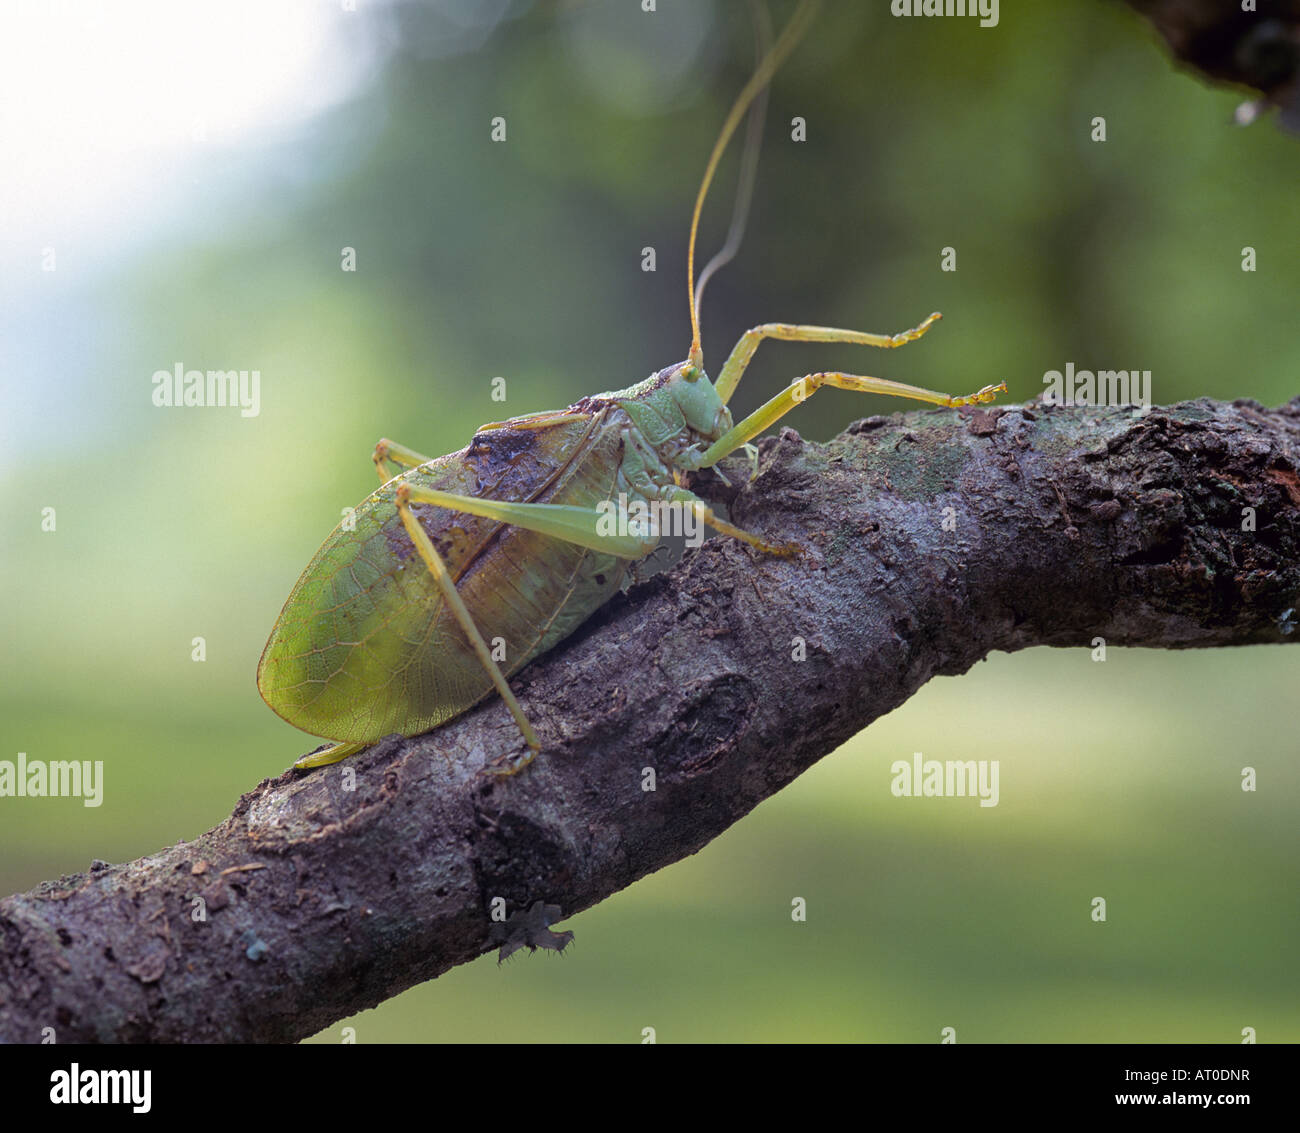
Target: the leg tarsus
pixel 327 756
pixel 504 766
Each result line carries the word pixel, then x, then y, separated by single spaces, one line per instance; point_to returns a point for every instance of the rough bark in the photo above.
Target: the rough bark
pixel 1063 525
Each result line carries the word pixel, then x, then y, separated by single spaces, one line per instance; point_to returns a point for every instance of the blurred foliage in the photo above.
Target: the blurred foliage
pixel 522 259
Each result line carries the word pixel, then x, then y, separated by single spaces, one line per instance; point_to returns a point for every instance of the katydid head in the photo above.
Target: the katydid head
pixel 698 401
pixel 677 401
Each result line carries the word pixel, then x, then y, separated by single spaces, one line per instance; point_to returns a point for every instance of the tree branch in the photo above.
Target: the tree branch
pixel 1257 50
pixel 931 540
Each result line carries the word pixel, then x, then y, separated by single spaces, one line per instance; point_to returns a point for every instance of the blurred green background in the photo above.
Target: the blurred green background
pixel 196 175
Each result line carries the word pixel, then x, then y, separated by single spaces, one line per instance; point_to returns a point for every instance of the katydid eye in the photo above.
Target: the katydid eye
pixel 689 372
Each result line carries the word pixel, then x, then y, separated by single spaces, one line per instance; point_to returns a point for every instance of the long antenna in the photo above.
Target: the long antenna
pixel 748 161
pixel 789 38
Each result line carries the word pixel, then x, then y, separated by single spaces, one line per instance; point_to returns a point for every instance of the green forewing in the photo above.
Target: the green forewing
pixel 365 645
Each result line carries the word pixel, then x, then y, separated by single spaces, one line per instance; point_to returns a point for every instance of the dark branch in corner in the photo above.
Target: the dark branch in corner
pixel 1254 50
pixel 1176 529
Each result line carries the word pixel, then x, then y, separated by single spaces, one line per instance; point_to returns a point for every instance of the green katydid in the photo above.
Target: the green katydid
pixel 508 540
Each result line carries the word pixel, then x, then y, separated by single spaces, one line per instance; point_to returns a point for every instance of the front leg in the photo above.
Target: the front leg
pixel 743 351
